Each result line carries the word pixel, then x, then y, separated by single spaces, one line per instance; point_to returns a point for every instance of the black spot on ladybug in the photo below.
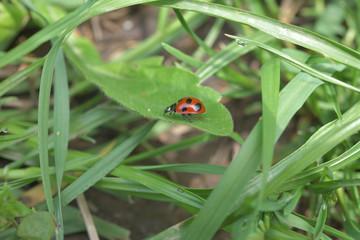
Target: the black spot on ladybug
pixel 197 107
pixel 184 109
pixel 188 101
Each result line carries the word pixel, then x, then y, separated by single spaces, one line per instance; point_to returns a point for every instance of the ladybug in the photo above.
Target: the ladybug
pixel 186 106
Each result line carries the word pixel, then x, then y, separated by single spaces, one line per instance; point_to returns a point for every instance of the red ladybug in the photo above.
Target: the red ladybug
pixel 186 106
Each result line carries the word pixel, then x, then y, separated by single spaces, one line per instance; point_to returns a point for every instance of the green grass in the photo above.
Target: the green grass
pixel 305 78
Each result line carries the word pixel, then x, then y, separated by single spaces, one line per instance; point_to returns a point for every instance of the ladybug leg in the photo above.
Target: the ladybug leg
pixel 184 115
pixel 193 116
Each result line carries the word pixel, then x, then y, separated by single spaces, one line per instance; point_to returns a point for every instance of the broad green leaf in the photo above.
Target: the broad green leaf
pixel 40 225
pixel 280 30
pixel 148 88
pixel 10 207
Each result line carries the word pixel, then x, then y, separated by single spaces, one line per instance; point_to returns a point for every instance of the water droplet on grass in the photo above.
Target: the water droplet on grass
pixel 241 43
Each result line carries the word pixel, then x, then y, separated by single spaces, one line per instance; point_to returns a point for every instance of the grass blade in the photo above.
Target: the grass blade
pixel 61 130
pixel 321 219
pixel 184 144
pixel 230 53
pixel 329 230
pixel 43 118
pixel 221 201
pixel 182 56
pixel 186 167
pixel 280 30
pixel 103 167
pixel 159 184
pixel 201 43
pixel 325 187
pixel 270 81
pixel 66 25
pixel 15 79
pixel 298 64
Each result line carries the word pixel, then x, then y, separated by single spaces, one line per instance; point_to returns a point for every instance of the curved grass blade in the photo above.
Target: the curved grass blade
pixel 193 62
pixel 296 63
pixel 186 167
pixel 321 219
pixel 104 166
pixel 329 230
pixel 159 184
pixel 280 30
pixel 184 144
pixel 335 164
pixel 15 79
pixel 227 55
pixel 303 225
pixel 199 41
pixel 42 36
pixel 18 137
pixel 320 143
pixel 174 232
pixel 330 186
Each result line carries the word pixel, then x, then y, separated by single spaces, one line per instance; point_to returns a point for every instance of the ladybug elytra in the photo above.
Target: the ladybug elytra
pixel 186 107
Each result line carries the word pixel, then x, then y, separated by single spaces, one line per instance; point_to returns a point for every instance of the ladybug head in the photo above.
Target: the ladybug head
pixel 170 109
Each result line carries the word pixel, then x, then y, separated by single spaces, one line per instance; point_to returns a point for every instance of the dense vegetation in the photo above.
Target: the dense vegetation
pixel 304 85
